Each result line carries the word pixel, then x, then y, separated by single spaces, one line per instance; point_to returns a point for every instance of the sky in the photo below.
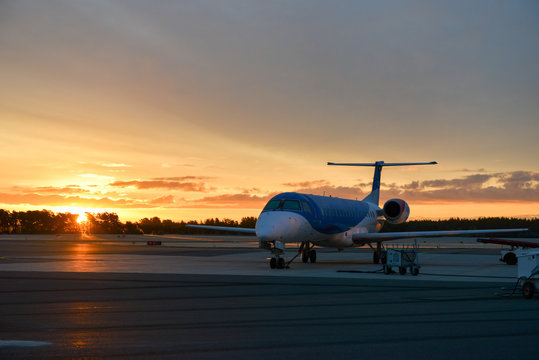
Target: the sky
pixel 188 110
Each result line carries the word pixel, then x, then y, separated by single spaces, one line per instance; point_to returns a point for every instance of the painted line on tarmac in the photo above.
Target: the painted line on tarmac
pixel 23 343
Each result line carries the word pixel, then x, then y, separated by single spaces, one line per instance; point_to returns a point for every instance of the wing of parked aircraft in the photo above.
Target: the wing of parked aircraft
pixel 517 243
pixel 366 238
pixel 225 228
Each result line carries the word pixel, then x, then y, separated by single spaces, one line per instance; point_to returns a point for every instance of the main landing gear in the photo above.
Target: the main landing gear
pixel 307 253
pixel 379 255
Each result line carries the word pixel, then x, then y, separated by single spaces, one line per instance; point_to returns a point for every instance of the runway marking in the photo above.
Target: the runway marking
pixel 22 343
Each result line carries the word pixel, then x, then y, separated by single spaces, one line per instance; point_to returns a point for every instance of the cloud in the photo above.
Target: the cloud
pixel 68 189
pixel 471 181
pixel 96 177
pixel 480 170
pixel 242 200
pixel 308 184
pixel 116 165
pixel 164 200
pixel 171 183
pixel 183 178
pixel 516 186
pixel 167 165
pixel 324 187
pixel 519 186
pixel 414 185
pixel 61 200
pixel 519 180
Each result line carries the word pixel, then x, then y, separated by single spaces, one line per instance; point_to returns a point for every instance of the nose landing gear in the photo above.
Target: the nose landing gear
pixel 277 262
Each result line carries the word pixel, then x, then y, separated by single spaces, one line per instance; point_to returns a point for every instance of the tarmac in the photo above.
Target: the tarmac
pixel 207 297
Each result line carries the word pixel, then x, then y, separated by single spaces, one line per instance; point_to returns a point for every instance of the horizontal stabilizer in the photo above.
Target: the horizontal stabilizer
pixel 366 238
pixel 383 164
pixel 224 228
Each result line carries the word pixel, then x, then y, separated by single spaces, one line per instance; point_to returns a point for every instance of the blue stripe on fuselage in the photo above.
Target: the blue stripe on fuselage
pixel 328 215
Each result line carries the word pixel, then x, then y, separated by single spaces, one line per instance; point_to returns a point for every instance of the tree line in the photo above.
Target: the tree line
pixel 38 222
pixel 47 222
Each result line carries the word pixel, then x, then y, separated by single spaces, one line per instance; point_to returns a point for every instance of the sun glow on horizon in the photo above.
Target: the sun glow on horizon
pixel 82 218
pixel 79 211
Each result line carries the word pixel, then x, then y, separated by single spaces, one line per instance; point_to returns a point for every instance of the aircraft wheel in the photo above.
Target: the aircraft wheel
pixel 528 289
pixel 383 257
pixel 280 263
pixel 375 258
pixel 387 269
pixel 510 258
pixel 402 270
pixel 414 271
pixel 312 256
pixel 305 256
pixel 273 263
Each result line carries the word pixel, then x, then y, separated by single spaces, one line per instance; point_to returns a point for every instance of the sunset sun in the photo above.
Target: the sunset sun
pixel 79 211
pixel 82 218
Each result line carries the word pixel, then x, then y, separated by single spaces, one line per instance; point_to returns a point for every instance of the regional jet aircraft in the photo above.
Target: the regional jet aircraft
pixel 334 222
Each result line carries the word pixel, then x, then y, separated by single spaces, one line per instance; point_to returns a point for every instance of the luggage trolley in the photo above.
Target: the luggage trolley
pixel 403 259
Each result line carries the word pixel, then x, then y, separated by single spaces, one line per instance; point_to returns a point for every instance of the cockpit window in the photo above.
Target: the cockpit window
pixel 291 205
pixel 272 205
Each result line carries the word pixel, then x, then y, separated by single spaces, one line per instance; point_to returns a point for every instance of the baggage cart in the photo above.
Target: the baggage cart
pixel 403 259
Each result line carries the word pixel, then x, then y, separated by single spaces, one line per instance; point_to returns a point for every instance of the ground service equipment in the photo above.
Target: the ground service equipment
pixel 528 272
pixel 403 259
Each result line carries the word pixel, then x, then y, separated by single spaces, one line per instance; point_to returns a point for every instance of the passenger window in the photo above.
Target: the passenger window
pixel 291 205
pixel 273 204
pixel 306 207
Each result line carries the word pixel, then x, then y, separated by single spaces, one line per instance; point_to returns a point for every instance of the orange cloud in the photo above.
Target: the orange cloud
pixel 517 186
pixel 61 200
pixel 169 199
pixel 173 183
pixel 308 184
pixel 68 189
pixel 242 200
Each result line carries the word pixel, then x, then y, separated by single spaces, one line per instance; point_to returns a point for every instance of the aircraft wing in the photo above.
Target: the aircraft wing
pixel 224 228
pixel 523 244
pixel 366 238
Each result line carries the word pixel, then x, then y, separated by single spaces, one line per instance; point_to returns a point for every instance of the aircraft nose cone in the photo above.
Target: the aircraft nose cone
pixel 266 230
pixel 279 226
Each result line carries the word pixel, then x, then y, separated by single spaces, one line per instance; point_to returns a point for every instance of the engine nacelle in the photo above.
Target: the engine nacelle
pixel 396 211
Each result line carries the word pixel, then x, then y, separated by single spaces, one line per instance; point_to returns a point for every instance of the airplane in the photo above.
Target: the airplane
pixel 334 222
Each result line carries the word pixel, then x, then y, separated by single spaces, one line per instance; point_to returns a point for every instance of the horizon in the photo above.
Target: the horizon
pixel 82 217
pixel 191 111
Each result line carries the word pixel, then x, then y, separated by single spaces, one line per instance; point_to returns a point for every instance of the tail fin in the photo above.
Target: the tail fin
pixel 374 196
